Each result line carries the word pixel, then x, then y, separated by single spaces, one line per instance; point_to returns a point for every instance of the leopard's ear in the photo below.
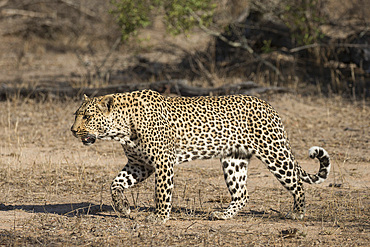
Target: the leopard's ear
pixel 106 104
pixel 86 98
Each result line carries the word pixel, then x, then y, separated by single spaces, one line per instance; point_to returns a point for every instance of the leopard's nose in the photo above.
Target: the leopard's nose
pixel 74 132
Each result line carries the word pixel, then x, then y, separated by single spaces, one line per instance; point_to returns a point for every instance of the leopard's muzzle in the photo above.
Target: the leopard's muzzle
pixel 88 139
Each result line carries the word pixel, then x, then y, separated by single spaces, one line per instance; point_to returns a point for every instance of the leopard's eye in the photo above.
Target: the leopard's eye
pixel 85 117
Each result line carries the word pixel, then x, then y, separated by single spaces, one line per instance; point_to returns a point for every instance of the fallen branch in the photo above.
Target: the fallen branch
pixel 178 87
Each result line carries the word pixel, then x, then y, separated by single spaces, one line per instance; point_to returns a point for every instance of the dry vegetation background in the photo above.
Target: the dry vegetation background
pixel 55 192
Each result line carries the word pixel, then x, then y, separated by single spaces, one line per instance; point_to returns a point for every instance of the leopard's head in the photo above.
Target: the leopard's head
pixel 94 119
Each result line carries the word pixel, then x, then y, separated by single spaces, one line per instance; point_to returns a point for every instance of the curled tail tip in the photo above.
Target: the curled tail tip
pixel 317 152
pixel 323 157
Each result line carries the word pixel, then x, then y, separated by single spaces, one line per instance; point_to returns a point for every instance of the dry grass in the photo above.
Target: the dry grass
pixel 55 191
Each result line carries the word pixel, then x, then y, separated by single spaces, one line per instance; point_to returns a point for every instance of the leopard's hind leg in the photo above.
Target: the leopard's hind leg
pixel 235 173
pixel 282 165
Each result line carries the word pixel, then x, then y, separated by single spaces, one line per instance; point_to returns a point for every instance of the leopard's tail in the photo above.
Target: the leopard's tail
pixel 322 175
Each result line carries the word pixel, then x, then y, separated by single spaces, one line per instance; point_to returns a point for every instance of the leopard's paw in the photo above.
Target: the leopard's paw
pixel 217 215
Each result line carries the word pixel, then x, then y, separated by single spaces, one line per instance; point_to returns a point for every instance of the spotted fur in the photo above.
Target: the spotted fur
pixel 157 133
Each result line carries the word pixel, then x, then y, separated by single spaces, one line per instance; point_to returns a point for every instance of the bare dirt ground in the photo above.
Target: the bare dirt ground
pixel 54 191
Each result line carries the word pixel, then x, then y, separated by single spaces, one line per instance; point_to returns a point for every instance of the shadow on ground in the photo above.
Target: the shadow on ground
pixel 67 209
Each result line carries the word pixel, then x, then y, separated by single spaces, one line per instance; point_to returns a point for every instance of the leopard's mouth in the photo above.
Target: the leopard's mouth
pixel 88 139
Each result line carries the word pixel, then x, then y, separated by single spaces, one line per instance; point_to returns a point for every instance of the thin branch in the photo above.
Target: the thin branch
pixel 3 3
pixel 80 8
pixel 211 79
pixel 305 47
pixel 98 68
pixel 112 49
pixel 26 13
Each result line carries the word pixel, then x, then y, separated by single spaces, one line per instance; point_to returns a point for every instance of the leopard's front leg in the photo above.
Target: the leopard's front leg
pixel 134 172
pixel 163 192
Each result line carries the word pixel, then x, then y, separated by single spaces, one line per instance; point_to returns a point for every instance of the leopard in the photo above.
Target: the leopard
pixel 158 132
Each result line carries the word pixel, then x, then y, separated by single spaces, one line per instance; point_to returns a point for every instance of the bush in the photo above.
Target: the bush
pixel 304 17
pixel 132 15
